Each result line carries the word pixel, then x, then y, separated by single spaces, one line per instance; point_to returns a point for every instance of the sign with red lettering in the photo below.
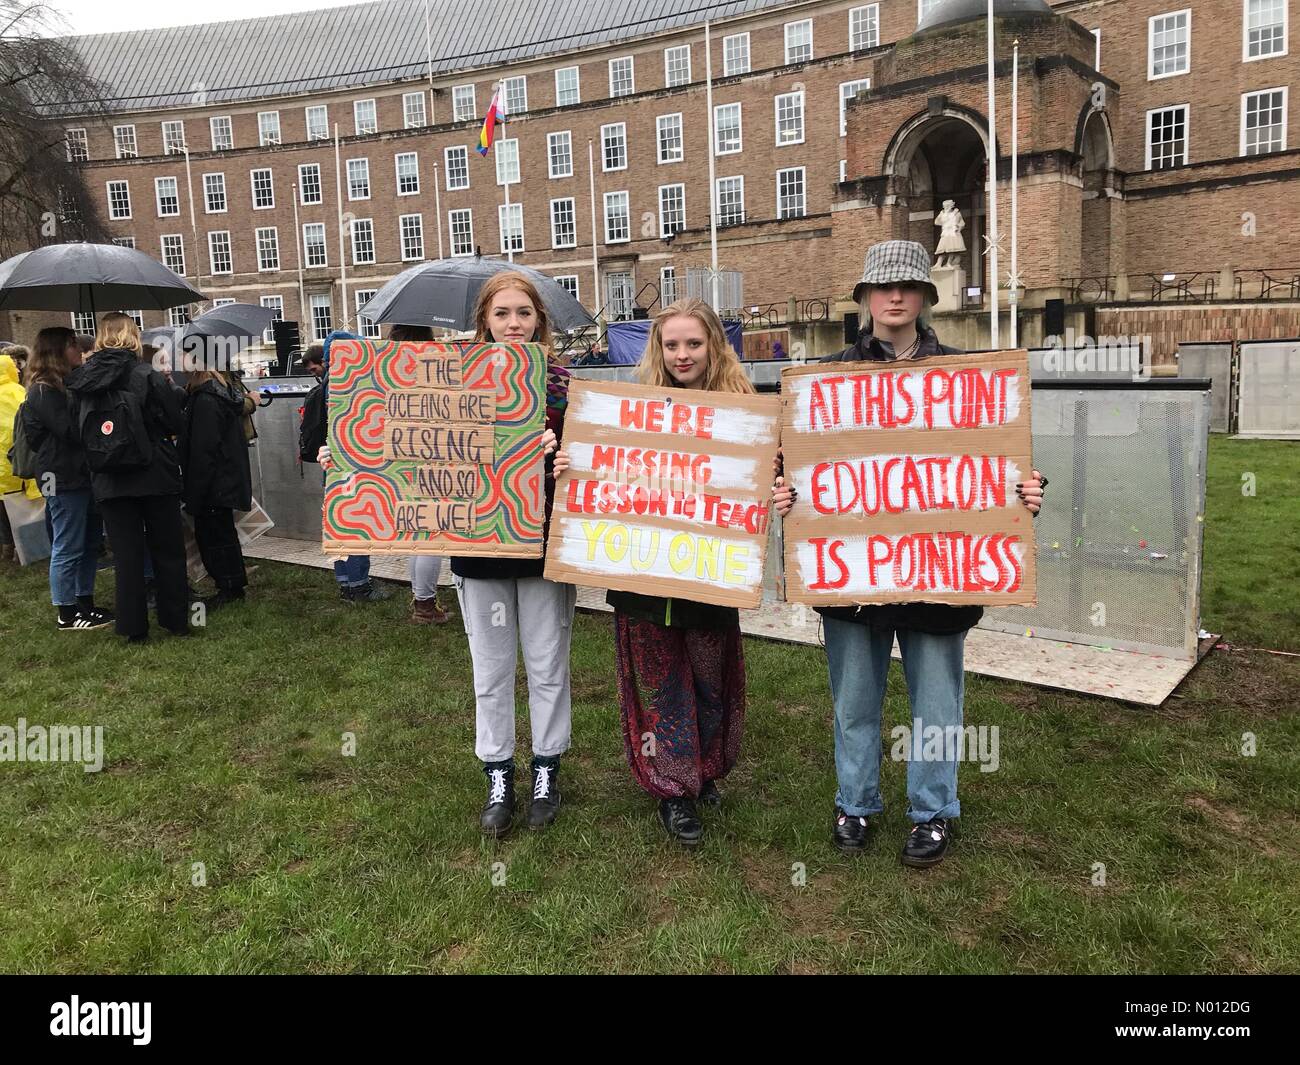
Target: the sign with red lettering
pixel 905 476
pixel 668 492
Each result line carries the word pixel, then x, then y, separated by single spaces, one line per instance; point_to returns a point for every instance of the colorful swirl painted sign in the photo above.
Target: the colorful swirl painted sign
pixel 437 449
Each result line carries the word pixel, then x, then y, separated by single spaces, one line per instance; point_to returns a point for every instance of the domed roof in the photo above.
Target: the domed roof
pixel 951 12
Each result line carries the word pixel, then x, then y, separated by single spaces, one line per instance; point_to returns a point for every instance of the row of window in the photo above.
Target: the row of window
pixel 1263 128
pixel 1169 37
pixel 864 33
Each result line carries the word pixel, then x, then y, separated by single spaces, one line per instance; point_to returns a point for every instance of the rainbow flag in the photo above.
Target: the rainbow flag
pixel 491 120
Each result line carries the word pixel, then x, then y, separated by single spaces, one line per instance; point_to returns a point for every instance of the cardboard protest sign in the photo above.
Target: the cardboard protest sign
pixel 905 476
pixel 437 449
pixel 668 492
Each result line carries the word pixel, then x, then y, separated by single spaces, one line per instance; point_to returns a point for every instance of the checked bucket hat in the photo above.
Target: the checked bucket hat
pixel 892 261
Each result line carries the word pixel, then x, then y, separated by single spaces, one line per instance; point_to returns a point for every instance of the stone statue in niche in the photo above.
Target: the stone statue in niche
pixel 951 245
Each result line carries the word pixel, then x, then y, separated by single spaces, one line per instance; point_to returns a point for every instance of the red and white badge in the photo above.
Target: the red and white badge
pixel 106 428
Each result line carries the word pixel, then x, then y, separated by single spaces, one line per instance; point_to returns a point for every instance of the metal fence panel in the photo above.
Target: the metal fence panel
pixel 1268 389
pixel 1210 362
pixel 289 491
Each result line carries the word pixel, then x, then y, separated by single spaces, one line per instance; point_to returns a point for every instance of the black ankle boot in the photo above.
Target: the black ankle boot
pixel 499 810
pixel 546 792
pixel 682 820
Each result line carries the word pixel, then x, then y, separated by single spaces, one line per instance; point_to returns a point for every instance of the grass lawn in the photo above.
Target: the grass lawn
pixel 225 749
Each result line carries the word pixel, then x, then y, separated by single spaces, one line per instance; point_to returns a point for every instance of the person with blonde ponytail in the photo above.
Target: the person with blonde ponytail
pixel 681 664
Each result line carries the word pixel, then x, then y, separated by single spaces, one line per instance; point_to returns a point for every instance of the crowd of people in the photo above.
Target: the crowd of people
pixel 679 665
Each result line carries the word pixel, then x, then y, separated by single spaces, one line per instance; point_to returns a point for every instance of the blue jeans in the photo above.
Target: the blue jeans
pixel 77 532
pixel 353 571
pixel 858 656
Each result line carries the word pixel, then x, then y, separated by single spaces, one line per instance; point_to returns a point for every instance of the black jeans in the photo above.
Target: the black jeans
pixel 134 523
pixel 214 532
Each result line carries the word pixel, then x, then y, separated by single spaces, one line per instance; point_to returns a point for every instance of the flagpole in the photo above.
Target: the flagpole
pixel 1013 297
pixel 338 198
pixel 297 243
pixel 992 168
pixel 713 180
pixel 595 266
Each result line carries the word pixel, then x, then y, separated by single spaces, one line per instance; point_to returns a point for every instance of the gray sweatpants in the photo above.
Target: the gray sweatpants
pixel 425 570
pixel 501 615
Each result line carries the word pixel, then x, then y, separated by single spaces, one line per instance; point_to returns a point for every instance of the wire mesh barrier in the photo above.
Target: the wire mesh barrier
pixel 1268 388
pixel 290 492
pixel 1211 362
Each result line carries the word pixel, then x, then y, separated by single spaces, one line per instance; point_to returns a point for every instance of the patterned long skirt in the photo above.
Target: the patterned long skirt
pixel 682 697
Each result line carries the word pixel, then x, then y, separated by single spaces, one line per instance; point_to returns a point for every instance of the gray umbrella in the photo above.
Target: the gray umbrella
pixel 242 321
pixel 90 278
pixel 442 294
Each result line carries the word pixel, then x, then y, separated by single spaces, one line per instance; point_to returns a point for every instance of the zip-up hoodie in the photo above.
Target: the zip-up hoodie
pixel 11 398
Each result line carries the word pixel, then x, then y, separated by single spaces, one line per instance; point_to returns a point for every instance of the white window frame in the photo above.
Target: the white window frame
pixel 212 253
pixel 318 136
pixel 125 242
pixel 356 116
pixel 212 132
pixel 168 147
pixel 803 185
pixel 271 303
pixel 577 86
pixel 274 242
pixel 83 322
pixel 1187 132
pixel 463 150
pixel 604 147
pixel 252 187
pixel 664 231
pixel 1096 49
pixel 1246 57
pixel 923 8
pixel 307 262
pixel 157 196
pixel 504 210
pixel 108 189
pixel 407 98
pixel 864 83
pixel 572 242
pixel 505 159
pixel 659 139
pixel 730 68
pixel 302 184
pixel 315 302
pixel 82 142
pixel 798 95
pixel 347 173
pixel 740 129
pixel 506 85
pixel 669 54
pixel 717 202
pixel 572 289
pixel 1151 49
pixel 631 76
pixel 552 139
pixel 870 12
pixel 397 172
pixel 366 326
pixel 402 236
pixel 120 152
pixel 458 93
pixel 667 271
pixel 789 26
pixel 265 139
pixel 353 226
pixel 1245 96
pixel 180 246
pixel 225 196
pixel 451 230
pixel 612 197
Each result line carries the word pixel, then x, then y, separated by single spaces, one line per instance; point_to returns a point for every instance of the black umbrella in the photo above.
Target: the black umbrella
pixel 232 321
pixel 90 278
pixel 442 294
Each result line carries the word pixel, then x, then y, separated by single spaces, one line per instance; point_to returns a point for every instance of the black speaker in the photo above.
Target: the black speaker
pixel 288 346
pixel 851 328
pixel 640 314
pixel 1054 318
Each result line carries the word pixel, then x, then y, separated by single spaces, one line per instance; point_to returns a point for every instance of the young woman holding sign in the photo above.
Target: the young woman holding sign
pixel 894 292
pixel 681 665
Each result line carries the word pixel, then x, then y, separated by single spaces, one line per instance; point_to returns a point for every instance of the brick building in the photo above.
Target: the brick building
pixel 1156 185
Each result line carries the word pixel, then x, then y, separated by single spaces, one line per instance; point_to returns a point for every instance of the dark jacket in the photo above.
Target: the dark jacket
pixel 936 618
pixel 214 450
pixel 497 569
pixel 164 419
pixel 53 437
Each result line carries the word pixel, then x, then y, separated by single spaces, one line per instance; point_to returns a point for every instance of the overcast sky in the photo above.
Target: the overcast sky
pixel 96 16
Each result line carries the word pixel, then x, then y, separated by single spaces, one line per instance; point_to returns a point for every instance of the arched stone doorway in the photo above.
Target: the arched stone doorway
pixel 1097 264
pixel 932 158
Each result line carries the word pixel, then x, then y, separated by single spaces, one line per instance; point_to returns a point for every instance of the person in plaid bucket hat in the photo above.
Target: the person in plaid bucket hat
pixel 894 295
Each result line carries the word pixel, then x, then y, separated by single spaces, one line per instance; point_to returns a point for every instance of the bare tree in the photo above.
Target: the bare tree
pixel 43 195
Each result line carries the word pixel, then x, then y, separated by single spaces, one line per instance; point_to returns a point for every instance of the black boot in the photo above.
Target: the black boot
pixel 926 844
pixel 499 810
pixel 849 832
pixel 709 794
pixel 546 792
pixel 682 820
pixel 223 596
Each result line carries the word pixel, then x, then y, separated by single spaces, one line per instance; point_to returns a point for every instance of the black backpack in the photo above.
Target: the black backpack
pixel 22 459
pixel 311 433
pixel 112 427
